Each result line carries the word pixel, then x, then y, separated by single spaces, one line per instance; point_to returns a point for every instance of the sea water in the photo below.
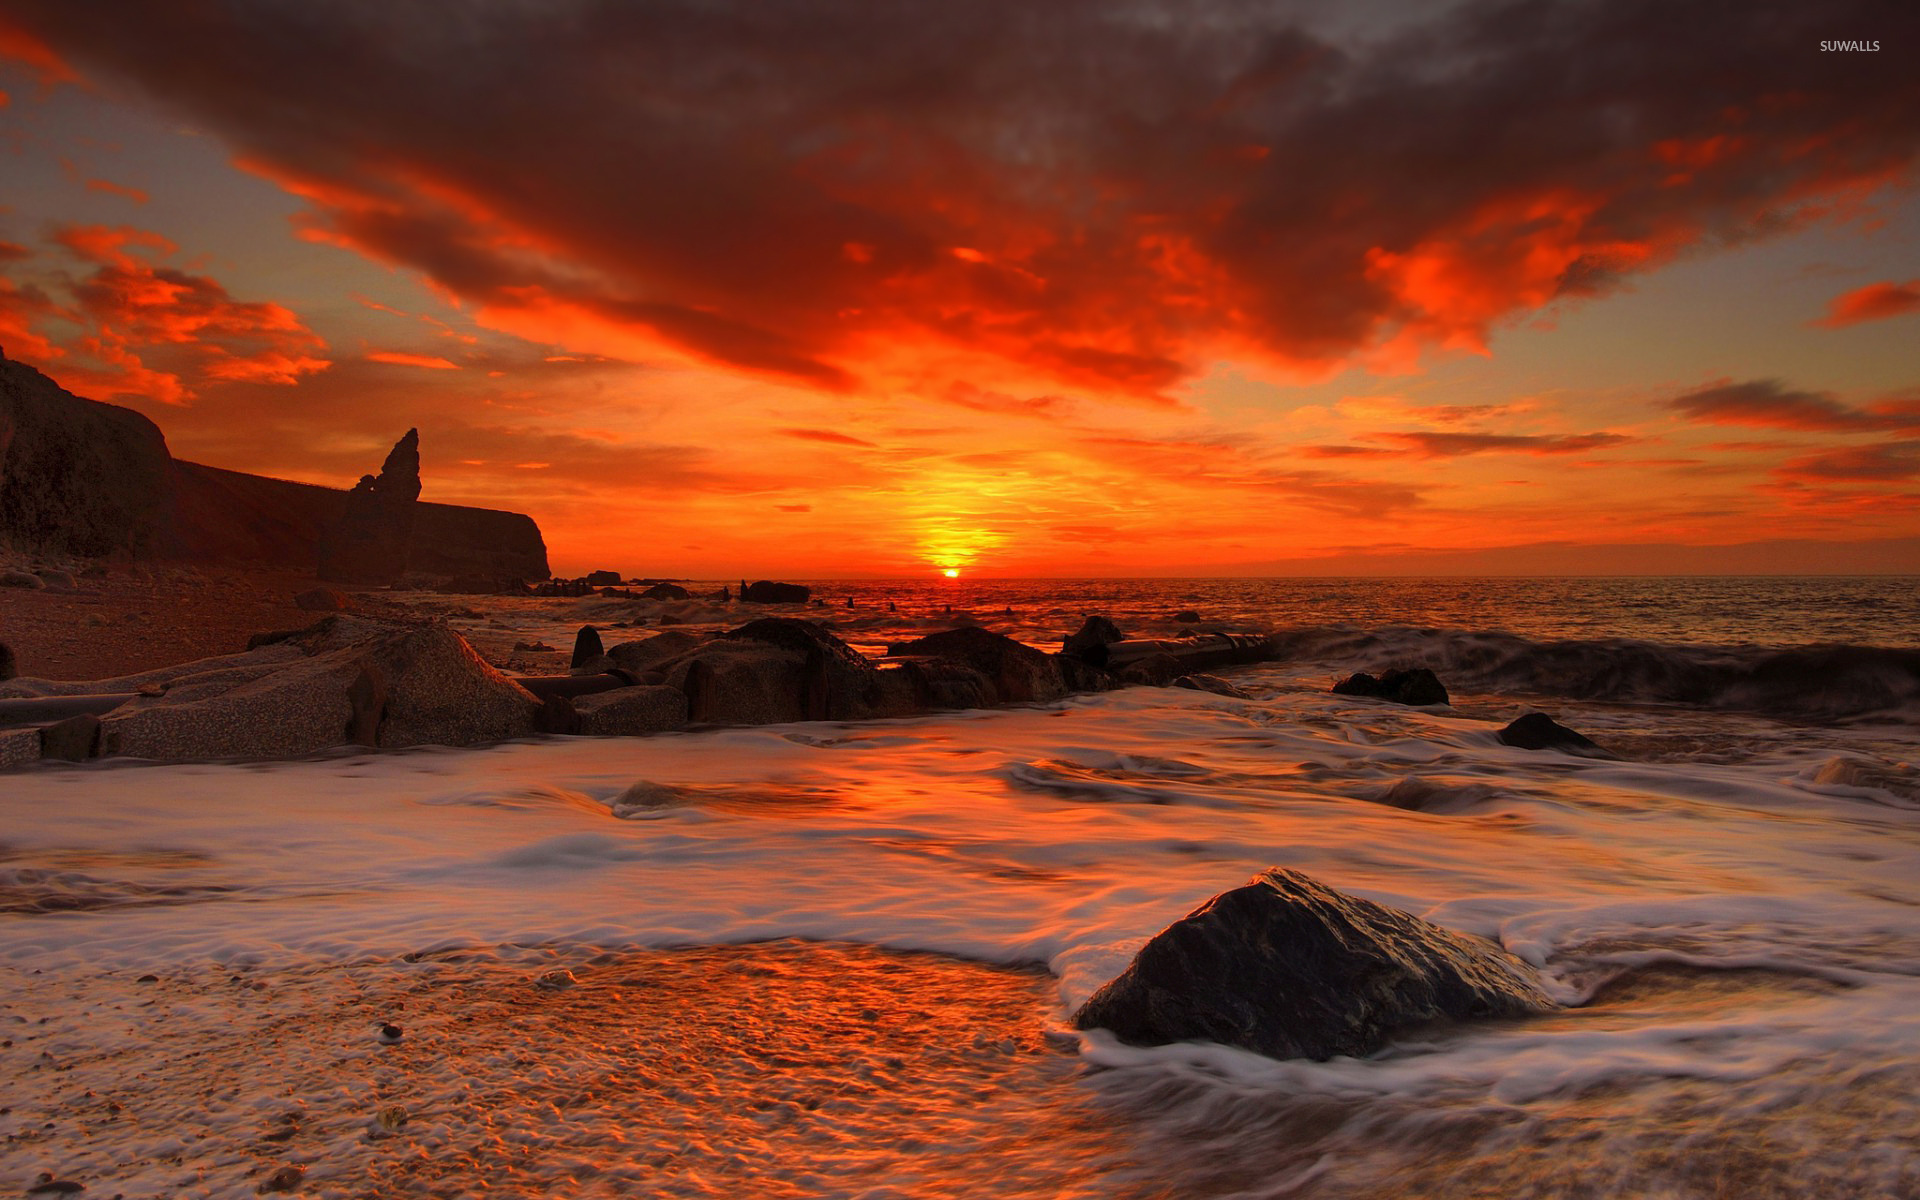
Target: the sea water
pixel 839 959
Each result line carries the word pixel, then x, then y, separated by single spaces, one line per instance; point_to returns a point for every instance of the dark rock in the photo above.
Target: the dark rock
pixel 76 739
pixel 9 666
pixel 288 1178
pixel 765 592
pixel 1290 968
pixel 1538 731
pixel 322 599
pixel 1154 670
pixel 604 579
pixel 25 580
pixel 77 477
pixel 587 648
pixel 49 1186
pixel 1089 643
pixel 1016 672
pixel 370 541
pixel 1214 684
pixel 1418 686
pixel 1186 616
pixel 1082 676
pixel 666 591
pixel 631 711
pixel 58 580
pixel 649 652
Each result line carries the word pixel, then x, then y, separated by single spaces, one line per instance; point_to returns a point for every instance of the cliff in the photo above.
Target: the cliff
pixel 83 478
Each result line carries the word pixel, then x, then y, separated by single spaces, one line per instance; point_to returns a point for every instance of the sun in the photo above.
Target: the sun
pixel 951 572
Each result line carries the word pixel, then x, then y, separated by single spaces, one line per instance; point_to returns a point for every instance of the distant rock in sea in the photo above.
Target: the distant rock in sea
pixel 768 592
pixel 1290 968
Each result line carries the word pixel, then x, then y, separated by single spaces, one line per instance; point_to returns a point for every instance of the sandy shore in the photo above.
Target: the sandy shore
pixel 137 618
pixel 777 1069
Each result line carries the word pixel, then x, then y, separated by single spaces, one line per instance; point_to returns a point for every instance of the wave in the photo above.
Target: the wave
pixel 1821 681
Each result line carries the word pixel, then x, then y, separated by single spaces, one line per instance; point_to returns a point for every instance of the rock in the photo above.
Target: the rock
pixel 18 747
pixel 47 1185
pixel 57 579
pixel 1089 643
pixel 778 669
pixel 1155 670
pixel 322 599
pixel 369 542
pixel 77 477
pixel 76 739
pixel 483 585
pixel 9 666
pixel 649 652
pixel 340 681
pixel 587 649
pixel 1418 687
pixel 601 579
pixel 666 591
pixel 1214 684
pixel 1290 968
pixel 390 1033
pixel 764 592
pixel 1016 672
pixel 22 579
pixel 1186 616
pixel 1538 731
pixel 631 711
pixel 284 1180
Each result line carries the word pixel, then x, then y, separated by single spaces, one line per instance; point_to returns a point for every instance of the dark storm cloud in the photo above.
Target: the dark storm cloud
pixel 1104 194
pixel 1770 404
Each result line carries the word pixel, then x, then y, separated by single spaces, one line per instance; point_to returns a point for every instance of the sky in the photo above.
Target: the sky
pixel 716 288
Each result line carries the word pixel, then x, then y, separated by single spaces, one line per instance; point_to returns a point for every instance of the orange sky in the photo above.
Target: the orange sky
pixel 867 288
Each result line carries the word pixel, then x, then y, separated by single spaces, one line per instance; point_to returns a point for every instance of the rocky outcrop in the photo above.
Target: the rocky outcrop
pixel 77 477
pixel 766 592
pixel 368 544
pixel 82 478
pixel 1418 687
pixel 1290 968
pixel 1538 731
pixel 666 591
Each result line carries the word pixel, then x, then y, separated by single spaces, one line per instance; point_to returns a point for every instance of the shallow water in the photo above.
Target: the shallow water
pixel 1731 909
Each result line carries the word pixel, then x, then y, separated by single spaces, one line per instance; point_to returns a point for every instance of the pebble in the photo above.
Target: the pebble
pixel 49 1186
pixel 555 981
pixel 283 1180
pixel 389 1034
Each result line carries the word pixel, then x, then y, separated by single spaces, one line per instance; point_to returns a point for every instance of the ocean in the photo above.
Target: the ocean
pixel 838 959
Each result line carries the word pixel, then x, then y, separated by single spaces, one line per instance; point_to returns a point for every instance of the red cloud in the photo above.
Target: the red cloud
pixel 145 329
pixel 401 358
pixel 1874 302
pixel 827 435
pixel 1105 196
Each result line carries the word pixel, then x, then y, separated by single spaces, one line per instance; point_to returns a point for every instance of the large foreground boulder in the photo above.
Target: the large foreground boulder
pixel 1287 967
pixel 1011 672
pixel 779 669
pixel 339 682
pixel 1089 643
pixel 631 711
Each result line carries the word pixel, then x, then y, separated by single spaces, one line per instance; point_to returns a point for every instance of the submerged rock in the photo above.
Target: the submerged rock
pixel 1538 731
pixel 1418 687
pixel 1214 684
pixel 1290 968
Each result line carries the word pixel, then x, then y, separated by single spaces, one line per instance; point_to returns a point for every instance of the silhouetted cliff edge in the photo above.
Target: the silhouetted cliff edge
pixel 83 478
